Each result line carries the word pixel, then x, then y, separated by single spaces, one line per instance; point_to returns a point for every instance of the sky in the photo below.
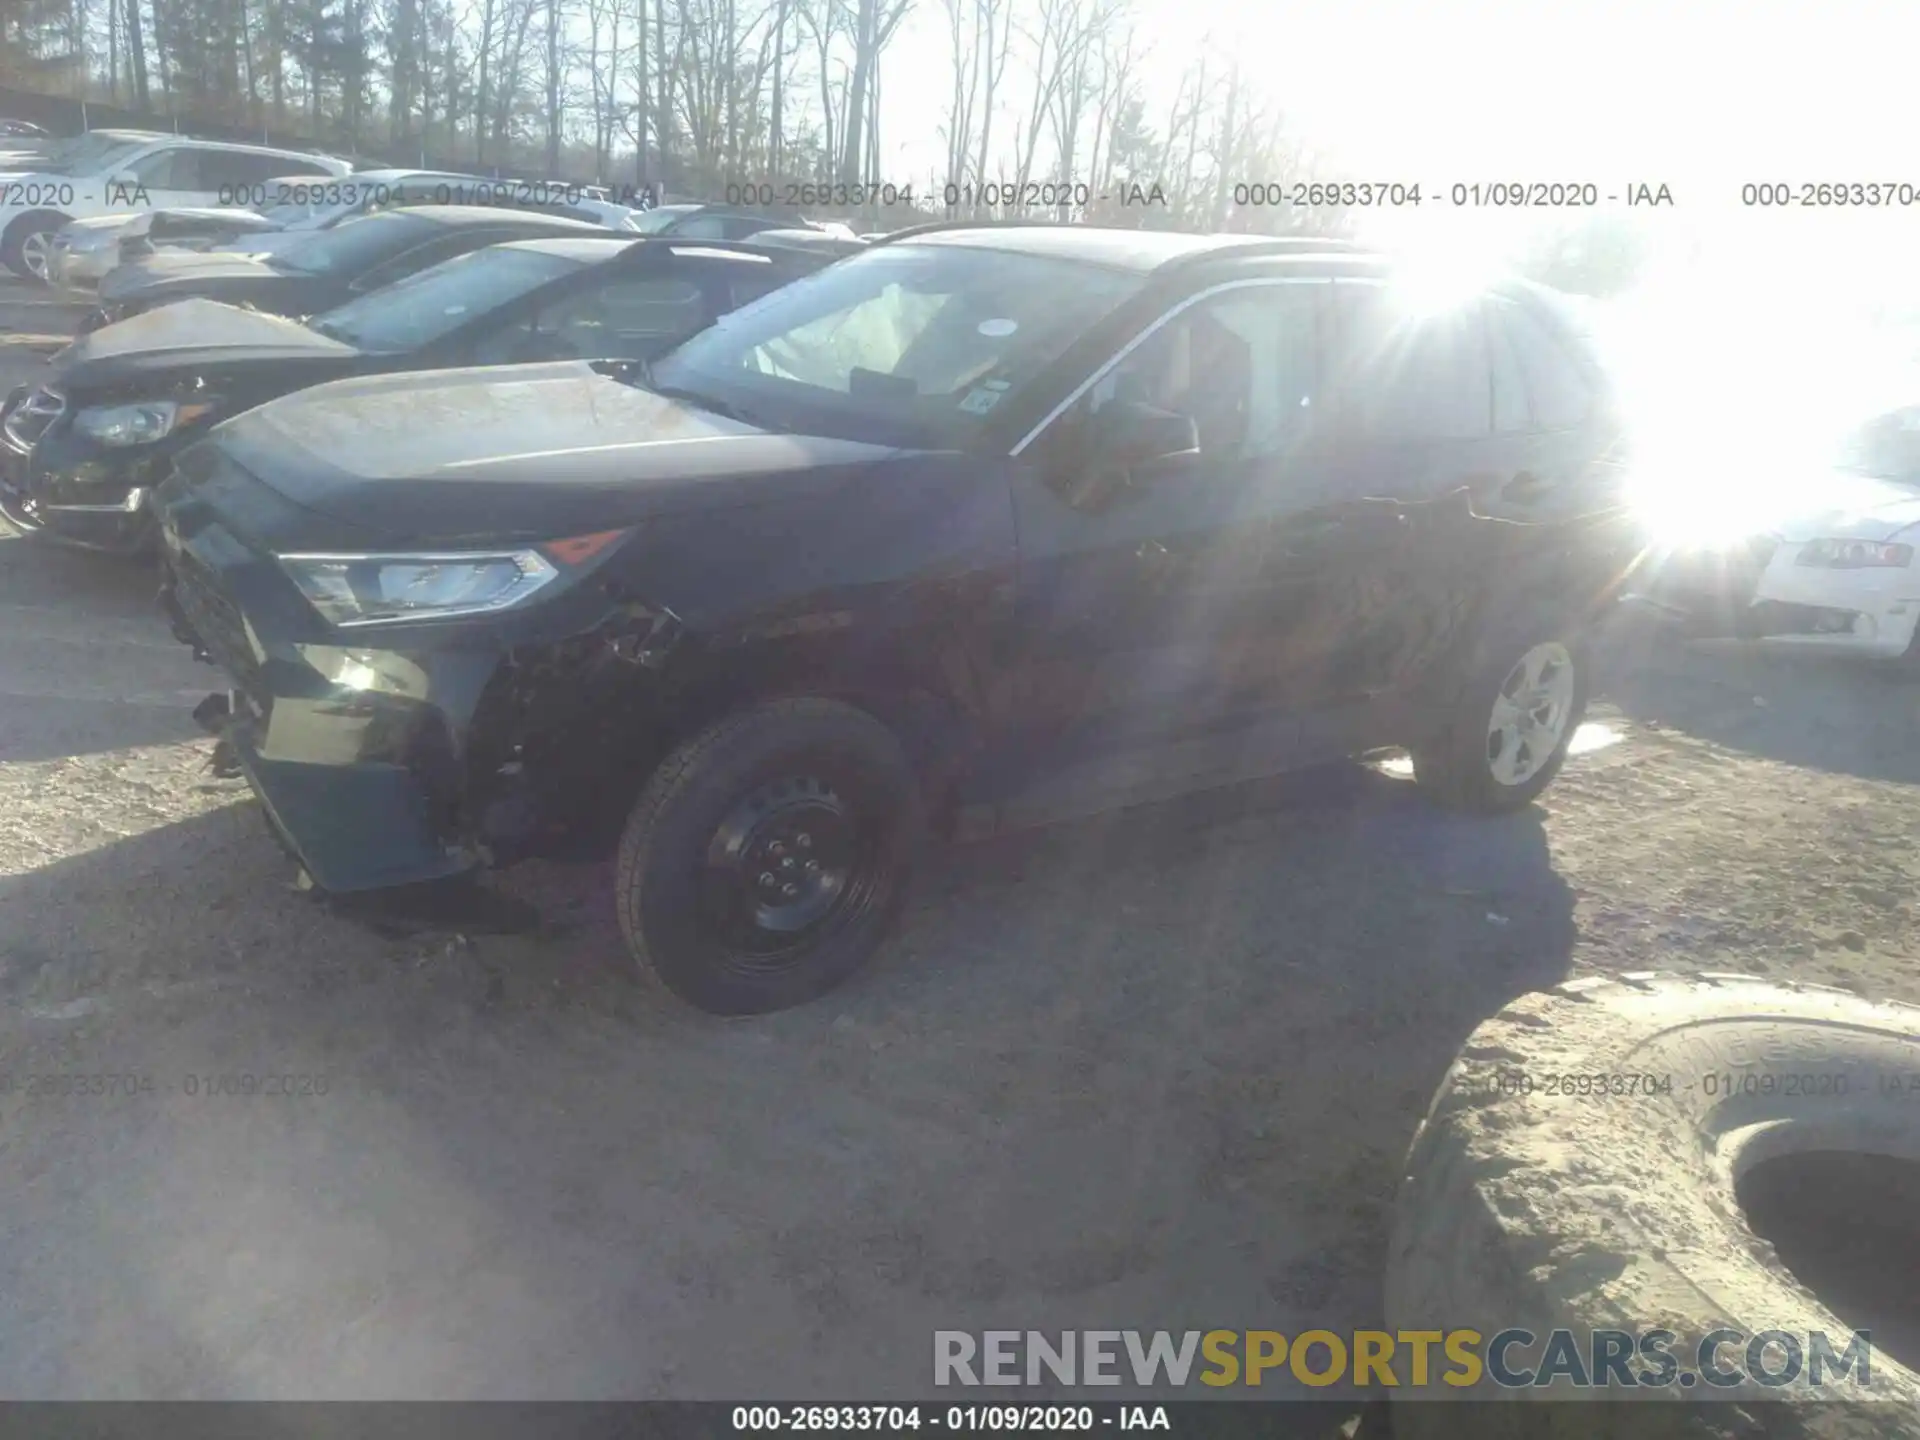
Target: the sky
pixel 1699 95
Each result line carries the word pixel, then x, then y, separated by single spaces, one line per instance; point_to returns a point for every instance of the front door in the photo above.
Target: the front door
pixel 1157 613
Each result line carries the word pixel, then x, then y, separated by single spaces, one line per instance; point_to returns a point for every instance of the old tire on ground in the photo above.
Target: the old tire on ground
pixel 767 855
pixel 1505 731
pixel 1618 1211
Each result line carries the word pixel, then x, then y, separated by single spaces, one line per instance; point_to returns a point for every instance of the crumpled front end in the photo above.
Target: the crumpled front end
pixel 355 753
pixel 412 754
pixel 64 485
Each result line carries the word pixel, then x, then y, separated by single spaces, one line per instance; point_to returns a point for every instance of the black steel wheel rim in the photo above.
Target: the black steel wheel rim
pixel 795 861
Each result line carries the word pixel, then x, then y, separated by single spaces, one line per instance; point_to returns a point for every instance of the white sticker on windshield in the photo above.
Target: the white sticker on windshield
pixel 998 328
pixel 980 401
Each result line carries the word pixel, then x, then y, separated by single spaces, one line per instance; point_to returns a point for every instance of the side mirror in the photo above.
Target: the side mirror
pixel 1128 433
pixel 1123 438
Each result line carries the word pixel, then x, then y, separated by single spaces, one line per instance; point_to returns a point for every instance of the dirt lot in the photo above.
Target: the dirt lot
pixel 1155 1071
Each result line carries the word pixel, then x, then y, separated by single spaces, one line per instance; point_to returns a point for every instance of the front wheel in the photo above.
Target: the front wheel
pixel 767 856
pixel 1510 724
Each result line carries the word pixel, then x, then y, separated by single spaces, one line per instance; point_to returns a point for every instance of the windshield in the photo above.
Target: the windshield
pixel 425 307
pixel 923 340
pixel 353 245
pixel 91 153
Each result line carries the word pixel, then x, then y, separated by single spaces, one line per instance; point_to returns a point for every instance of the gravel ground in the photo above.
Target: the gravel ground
pixel 1157 1070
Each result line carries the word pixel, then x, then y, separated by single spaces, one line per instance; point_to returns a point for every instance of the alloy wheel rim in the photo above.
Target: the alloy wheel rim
pixel 1530 714
pixel 33 253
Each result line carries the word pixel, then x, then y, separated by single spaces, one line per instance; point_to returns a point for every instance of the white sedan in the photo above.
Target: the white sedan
pixel 1843 576
pixel 1845 580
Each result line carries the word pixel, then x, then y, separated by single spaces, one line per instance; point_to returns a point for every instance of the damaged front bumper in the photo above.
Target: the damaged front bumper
pixel 57 484
pixel 413 756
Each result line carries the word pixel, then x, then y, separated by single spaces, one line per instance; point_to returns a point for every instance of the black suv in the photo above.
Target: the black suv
pixel 980 527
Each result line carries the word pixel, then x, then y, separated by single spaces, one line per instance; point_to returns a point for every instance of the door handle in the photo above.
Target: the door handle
pixel 1525 486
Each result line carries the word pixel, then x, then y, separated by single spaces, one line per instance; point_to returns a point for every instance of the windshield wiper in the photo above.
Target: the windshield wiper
pixel 640 372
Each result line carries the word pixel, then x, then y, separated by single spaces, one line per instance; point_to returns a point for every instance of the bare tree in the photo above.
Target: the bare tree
pixel 874 23
pixel 554 116
pixel 137 54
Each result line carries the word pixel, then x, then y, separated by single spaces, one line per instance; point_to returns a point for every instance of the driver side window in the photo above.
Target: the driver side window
pixel 630 319
pixel 1241 363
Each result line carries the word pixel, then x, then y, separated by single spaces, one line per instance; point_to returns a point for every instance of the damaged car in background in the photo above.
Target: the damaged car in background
pixel 80 452
pixel 111 172
pixel 981 527
pixel 322 268
pixel 288 207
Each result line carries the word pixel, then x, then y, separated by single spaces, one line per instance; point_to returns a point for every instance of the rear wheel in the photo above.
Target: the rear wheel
pixel 768 854
pixel 27 247
pixel 1510 723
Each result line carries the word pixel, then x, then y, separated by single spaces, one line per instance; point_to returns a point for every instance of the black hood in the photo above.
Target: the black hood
pixel 520 452
pixel 197 335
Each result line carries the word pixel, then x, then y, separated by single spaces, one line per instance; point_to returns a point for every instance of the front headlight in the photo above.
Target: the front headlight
pixel 139 424
pixel 1836 554
pixel 369 589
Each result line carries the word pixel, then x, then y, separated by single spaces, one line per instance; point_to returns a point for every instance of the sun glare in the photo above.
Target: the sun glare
pixel 1737 426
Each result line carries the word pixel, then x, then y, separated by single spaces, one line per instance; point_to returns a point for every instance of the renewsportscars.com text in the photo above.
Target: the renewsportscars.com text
pixel 1512 1359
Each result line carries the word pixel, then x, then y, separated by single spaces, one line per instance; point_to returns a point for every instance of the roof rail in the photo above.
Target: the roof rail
pixel 935 226
pixel 1317 244
pixel 770 250
pixel 1251 245
pixel 1254 247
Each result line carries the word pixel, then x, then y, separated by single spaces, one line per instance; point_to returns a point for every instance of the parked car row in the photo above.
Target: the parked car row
pixel 208 337
pixel 118 172
pixel 73 211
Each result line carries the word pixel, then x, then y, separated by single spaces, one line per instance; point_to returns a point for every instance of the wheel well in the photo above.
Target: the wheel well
pixel 594 726
pixel 18 231
pixel 933 727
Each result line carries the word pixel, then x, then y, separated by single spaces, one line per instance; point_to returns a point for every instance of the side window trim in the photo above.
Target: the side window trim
pixel 1101 371
pixel 1493 311
pixel 1548 335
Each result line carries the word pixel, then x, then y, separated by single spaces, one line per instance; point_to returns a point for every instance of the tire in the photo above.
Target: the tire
pixel 14 245
pixel 1547 1211
pixel 1455 765
pixel 690 894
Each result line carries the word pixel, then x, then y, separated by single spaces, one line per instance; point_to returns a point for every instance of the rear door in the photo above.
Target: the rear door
pixel 1424 436
pixel 1566 463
